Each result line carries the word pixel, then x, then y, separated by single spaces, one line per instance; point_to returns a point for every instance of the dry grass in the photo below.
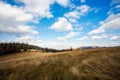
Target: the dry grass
pixel 96 64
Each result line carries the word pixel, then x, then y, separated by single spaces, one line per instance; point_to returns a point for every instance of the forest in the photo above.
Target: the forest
pixel 10 48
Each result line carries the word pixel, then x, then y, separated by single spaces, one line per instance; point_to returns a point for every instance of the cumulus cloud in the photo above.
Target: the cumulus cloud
pixel 13 20
pixel 111 23
pixel 63 2
pixel 68 36
pixel 13 14
pixel 77 13
pixel 62 24
pixel 65 23
pixel 114 38
pixel 39 8
pixel 72 16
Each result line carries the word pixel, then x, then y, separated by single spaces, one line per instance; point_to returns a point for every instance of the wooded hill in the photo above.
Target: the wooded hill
pixel 9 48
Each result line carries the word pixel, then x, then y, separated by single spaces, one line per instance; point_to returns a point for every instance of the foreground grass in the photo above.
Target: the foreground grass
pixel 96 64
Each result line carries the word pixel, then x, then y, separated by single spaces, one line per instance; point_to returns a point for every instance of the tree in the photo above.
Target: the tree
pixel 71 49
pixel 46 49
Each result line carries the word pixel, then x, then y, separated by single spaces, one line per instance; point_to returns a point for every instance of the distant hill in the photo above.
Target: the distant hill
pixel 10 48
pixel 89 47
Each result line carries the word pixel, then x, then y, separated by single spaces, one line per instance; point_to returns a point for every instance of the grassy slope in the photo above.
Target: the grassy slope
pixel 97 64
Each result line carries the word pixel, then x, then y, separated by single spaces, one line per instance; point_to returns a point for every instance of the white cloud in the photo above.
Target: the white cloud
pixel 62 25
pixel 118 6
pixel 83 38
pixel 21 29
pixel 73 14
pixel 39 8
pixel 14 17
pixel 111 23
pixel 13 14
pixel 99 37
pixel 77 13
pixel 63 2
pixel 82 1
pixel 96 31
pixel 13 20
pixel 28 39
pixel 68 36
pixel 115 38
pixel 72 6
pixel 83 9
pixel 115 7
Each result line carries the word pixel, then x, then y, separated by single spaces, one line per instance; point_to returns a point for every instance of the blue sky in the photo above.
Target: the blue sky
pixel 60 23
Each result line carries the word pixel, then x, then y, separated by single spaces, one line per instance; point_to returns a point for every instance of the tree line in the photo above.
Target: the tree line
pixel 9 48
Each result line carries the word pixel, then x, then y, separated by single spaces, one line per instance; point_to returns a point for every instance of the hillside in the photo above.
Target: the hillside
pixel 90 64
pixel 13 48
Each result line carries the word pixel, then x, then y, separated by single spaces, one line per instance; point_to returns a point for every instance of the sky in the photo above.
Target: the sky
pixel 60 24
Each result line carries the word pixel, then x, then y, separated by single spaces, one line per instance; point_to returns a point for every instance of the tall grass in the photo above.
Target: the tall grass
pixel 93 64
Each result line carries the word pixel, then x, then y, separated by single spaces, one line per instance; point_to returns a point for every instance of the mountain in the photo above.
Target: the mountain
pixel 88 47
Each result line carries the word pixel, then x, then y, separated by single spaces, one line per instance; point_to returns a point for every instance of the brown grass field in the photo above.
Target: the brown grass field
pixel 92 64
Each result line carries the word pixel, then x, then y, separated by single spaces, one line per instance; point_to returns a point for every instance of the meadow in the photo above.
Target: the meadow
pixel 90 64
